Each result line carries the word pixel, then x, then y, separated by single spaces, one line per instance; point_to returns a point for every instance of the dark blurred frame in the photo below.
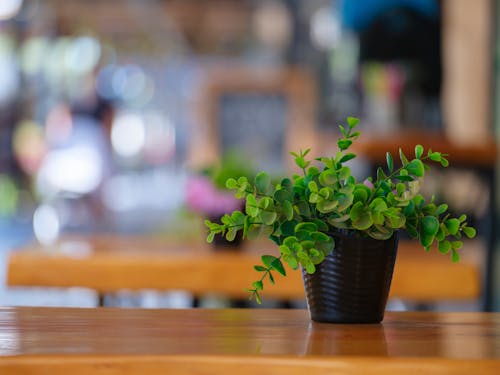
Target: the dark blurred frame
pixel 296 85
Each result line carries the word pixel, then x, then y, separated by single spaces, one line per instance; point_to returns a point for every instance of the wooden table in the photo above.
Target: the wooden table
pixel 243 341
pixel 112 263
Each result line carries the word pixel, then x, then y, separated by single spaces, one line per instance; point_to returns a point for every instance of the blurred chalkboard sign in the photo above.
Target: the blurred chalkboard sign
pixel 254 125
pixel 261 114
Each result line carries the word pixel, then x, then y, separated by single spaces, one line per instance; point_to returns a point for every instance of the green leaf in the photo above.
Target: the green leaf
pixel 271 277
pixel 268 217
pixel 238 217
pixel 412 230
pixel 441 209
pixel 246 225
pixel 455 257
pixel 360 216
pixel 403 158
pixel 326 206
pixel 254 231
pixel 416 168
pixel 469 232
pixel 343 200
pixel 282 195
pixel 344 173
pixel 426 240
pixel 231 183
pixel 288 210
pixel 395 218
pixel 321 225
pixel 307 226
pixel 380 232
pixel 328 177
pixel 409 210
pixel 380 174
pixel 344 144
pixel 263 182
pixel 291 261
pixel 378 204
pixel 301 162
pixel 390 162
pixel 231 234
pixel 444 247
pixel 352 122
pixel 278 266
pixel 286 184
pixel 404 178
pixel 435 156
pixel 452 225
pixel 303 209
pixel 255 294
pixel 429 225
pixel 251 206
pixel 313 186
pixel 355 135
pixel 265 203
pixel 312 171
pixel 419 150
pixel 361 193
pixel 346 158
pixel 259 268
pixel 210 237
pixel 442 233
pixel 258 285
pixel 310 268
pixel 267 260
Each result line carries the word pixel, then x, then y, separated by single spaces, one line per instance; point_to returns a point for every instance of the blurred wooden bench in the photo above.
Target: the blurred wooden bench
pixel 112 263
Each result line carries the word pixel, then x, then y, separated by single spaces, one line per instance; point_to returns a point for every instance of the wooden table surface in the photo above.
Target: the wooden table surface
pixel 112 263
pixel 243 341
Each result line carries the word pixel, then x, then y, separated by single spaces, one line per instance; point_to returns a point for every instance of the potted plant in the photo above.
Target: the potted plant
pixel 342 232
pixel 207 195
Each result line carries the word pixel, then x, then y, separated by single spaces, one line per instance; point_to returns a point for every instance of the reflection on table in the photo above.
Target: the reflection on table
pixel 247 341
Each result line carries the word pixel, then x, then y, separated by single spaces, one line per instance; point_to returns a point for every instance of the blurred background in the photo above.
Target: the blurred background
pixel 109 107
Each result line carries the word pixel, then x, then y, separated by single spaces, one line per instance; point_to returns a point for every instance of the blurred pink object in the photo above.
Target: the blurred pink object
pixel 368 183
pixel 203 197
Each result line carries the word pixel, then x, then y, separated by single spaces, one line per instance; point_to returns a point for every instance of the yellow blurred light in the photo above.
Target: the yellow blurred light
pixel 29 146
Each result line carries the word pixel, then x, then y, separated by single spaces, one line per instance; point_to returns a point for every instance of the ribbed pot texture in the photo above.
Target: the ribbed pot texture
pixel 352 284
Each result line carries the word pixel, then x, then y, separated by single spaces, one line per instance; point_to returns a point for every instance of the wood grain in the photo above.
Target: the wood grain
pixel 246 341
pixel 113 263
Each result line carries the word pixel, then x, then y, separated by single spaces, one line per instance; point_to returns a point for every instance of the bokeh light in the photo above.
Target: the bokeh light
pixel 33 55
pixel 75 169
pixel 46 224
pixel 128 135
pixel 9 77
pixel 326 29
pixel 29 146
pixel 9 8
pixel 82 55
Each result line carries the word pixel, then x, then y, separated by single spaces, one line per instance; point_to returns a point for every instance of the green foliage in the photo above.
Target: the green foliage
pixel 232 165
pixel 301 214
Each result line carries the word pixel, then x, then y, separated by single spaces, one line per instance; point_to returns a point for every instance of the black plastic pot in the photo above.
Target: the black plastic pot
pixel 352 284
